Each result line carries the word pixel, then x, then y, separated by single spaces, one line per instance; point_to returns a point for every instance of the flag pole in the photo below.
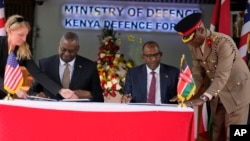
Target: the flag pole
pixel 8 97
pixel 182 104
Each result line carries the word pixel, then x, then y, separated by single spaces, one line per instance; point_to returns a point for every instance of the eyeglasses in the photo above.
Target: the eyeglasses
pixel 156 55
pixel 18 20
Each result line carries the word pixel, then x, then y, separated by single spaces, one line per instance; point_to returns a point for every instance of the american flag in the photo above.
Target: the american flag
pixel 13 77
pixel 2 19
pixel 244 45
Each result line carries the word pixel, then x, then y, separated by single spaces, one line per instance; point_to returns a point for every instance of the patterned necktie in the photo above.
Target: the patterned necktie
pixel 151 94
pixel 66 76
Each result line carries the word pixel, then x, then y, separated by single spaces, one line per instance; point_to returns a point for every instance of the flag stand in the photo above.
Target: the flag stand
pixel 186 86
pixel 182 105
pixel 8 97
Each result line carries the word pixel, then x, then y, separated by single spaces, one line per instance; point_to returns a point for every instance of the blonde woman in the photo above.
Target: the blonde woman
pixel 17 29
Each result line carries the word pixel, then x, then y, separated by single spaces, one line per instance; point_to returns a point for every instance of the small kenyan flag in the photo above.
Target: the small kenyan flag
pixel 186 85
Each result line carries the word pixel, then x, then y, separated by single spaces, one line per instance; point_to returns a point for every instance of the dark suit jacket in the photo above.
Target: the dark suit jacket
pixel 136 83
pixel 84 77
pixel 31 67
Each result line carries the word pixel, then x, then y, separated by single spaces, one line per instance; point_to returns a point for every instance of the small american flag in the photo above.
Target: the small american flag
pixel 13 77
pixel 244 45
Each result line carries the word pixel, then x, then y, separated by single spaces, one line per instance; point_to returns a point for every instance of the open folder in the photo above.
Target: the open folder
pixel 31 97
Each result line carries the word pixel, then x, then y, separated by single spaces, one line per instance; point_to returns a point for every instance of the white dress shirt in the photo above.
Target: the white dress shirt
pixel 62 67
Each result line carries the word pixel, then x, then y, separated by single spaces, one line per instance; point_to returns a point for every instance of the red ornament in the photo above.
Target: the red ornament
pixel 102 84
pixel 113 94
pixel 101 48
pixel 107 58
pixel 105 93
pixel 113 87
pixel 116 48
pixel 209 41
pixel 112 58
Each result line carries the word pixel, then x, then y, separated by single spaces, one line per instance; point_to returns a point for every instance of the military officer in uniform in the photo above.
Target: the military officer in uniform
pixel 216 56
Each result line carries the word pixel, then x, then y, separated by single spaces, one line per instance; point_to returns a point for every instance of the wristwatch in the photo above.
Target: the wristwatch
pixel 204 98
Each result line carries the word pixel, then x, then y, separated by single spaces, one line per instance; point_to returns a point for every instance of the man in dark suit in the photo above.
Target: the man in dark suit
pixel 138 79
pixel 83 76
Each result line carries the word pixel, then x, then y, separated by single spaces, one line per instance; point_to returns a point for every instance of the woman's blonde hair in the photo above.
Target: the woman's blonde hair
pixel 15 22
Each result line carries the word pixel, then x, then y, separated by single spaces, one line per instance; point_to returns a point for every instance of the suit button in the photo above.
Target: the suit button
pixel 216 93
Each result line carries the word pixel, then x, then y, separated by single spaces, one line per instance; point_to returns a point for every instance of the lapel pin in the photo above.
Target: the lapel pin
pixel 166 76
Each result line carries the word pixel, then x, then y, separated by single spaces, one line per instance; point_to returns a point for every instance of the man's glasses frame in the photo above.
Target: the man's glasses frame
pixel 156 55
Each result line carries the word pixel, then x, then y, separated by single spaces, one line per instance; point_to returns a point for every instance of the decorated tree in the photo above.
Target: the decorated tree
pixel 111 65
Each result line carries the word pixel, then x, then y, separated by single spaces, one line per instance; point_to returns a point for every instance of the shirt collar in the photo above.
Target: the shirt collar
pixel 157 70
pixel 71 63
pixel 203 46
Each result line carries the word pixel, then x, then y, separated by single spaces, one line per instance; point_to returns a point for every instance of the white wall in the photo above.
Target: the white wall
pixel 48 22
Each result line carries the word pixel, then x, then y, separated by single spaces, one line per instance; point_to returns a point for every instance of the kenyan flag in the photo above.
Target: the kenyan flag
pixel 186 85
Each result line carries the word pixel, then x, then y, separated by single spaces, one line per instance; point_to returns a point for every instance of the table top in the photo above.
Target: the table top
pixel 94 106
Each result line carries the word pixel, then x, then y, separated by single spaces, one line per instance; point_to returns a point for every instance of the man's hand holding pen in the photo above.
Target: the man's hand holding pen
pixel 126 98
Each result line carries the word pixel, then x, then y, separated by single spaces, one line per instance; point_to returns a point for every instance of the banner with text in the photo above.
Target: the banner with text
pixel 142 16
